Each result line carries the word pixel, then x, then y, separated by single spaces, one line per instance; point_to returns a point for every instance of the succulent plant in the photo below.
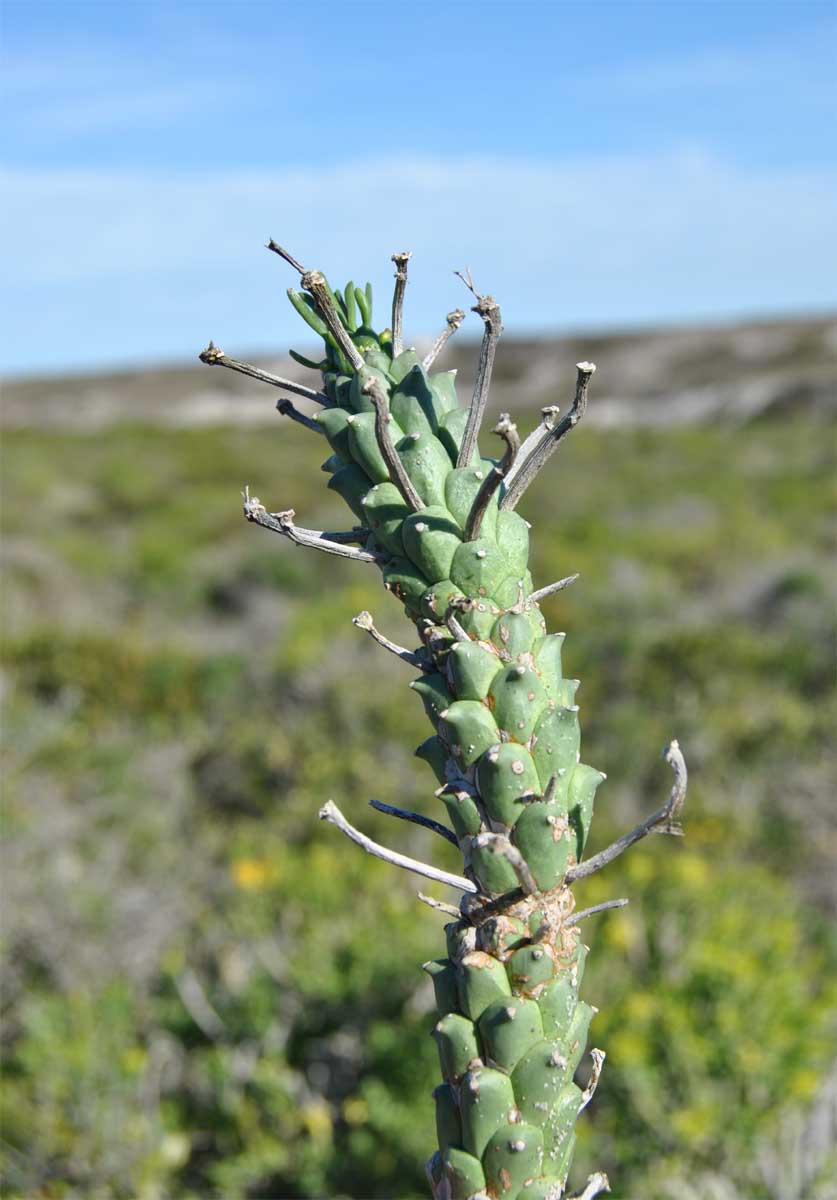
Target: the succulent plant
pixel 440 521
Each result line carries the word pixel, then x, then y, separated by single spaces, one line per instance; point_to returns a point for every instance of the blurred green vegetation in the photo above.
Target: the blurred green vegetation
pixel 208 994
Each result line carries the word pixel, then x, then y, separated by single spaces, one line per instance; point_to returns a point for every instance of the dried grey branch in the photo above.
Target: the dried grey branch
pixel 549 416
pixel 595 1184
pixel 373 389
pixel 283 523
pixel 551 588
pixel 439 905
pixel 330 812
pixel 458 604
pixel 662 821
pixel 364 621
pixel 288 257
pixel 487 308
pixel 287 409
pixel 454 320
pixel 595 908
pixel 315 283
pixel 194 998
pixel 212 356
pixel 400 259
pixel 598 1057
pixel 550 439
pixel 406 814
pixel 507 430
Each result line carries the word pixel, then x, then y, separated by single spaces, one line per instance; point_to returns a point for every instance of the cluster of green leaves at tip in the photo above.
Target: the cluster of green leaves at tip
pixel 354 308
pixel 713 985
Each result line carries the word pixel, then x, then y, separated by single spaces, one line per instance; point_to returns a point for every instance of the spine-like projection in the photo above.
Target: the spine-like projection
pixel 440 522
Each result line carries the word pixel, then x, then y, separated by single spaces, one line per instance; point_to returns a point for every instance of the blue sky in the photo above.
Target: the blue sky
pixel 596 164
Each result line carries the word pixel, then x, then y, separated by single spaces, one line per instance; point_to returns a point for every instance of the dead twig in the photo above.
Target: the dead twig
pixel 439 905
pixel 401 259
pixel 406 814
pixel 507 430
pixel 212 356
pixel 331 813
pixel 595 908
pixel 454 320
pixel 487 308
pixel 551 588
pixel 549 440
pixel 283 523
pixel 662 821
pixel 363 620
pixel 315 283
pixel 595 1184
pixel 374 390
pixel 598 1057
pixel 288 409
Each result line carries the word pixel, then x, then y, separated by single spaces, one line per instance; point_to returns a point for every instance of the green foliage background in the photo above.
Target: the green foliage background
pixel 209 994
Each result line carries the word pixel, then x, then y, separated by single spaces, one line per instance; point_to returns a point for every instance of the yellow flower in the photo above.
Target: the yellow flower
pixel 316 1120
pixel 355 1111
pixel 251 874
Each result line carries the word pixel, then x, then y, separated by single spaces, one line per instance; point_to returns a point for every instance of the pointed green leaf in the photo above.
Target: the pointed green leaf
pixel 509 1029
pixel 469 729
pixel 431 538
pixel 518 701
pixel 486 1102
pixel 352 484
pixel 514 1154
pixel 448 1124
pixel 463 1174
pixel 582 790
pixel 556 749
pixel 406 582
pixel 471 667
pixel 506 773
pixel 434 694
pixel 427 465
pixel 435 755
pixel 363 443
pixel 443 974
pixel 456 1041
pixel 543 836
pixel 512 536
pixel 384 511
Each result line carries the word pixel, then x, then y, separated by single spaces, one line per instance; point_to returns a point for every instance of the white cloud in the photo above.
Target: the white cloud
pixel 117 263
pixel 78 92
pixel 125 110
pixel 801 61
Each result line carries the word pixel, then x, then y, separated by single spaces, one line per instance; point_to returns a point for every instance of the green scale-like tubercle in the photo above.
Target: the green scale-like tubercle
pixel 505 747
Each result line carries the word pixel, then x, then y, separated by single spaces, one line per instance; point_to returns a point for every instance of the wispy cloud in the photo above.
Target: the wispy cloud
pixel 124 109
pixel 728 71
pixel 75 93
pixel 116 264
